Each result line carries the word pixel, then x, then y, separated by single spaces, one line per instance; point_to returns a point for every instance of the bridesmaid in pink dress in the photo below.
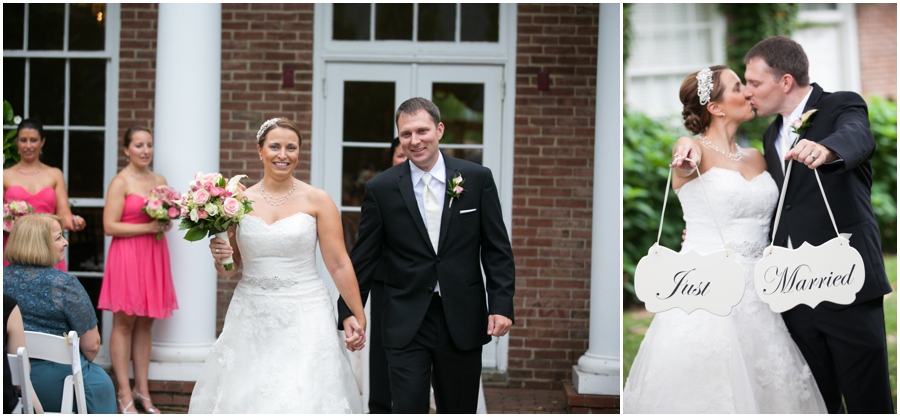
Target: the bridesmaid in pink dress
pixel 137 282
pixel 40 185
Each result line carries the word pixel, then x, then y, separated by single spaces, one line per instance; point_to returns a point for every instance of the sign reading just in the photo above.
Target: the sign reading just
pixel 665 279
pixel 786 278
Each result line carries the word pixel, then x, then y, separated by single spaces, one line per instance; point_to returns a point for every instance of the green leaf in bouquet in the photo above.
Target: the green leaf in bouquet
pixel 195 233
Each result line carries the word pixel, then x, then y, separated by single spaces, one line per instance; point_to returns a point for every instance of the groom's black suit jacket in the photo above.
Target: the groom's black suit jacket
pixel 842 125
pixel 473 237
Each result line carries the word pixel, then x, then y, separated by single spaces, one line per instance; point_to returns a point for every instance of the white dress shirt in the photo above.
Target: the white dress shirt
pixel 438 184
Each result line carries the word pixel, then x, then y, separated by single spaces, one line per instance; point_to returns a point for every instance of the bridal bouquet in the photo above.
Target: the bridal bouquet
pixel 162 203
pixel 12 211
pixel 212 206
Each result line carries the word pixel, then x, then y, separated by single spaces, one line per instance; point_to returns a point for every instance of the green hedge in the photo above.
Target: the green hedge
pixel 645 160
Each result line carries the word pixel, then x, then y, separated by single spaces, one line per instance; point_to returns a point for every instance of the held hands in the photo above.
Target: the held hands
pixel 355 332
pixel 220 249
pixel 685 155
pixel 498 325
pixel 810 153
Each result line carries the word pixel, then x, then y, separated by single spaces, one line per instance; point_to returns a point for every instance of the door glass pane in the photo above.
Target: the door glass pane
pixel 368 111
pixel 462 112
pixel 479 23
pixel 360 165
pixel 52 152
pixel 46 23
pixel 471 155
pixel 85 173
pixel 13 27
pixel 88 96
pixel 47 90
pixel 393 22
pixel 87 26
pixel 14 83
pixel 86 246
pixel 351 21
pixel 437 22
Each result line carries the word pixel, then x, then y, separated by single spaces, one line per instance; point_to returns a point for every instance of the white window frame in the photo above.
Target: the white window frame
pixel 111 110
pixel 843 18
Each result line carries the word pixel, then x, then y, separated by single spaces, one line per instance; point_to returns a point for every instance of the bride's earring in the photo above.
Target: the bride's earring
pixel 723 114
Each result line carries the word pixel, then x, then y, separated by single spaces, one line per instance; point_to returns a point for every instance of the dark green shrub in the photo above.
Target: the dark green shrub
pixel 883 122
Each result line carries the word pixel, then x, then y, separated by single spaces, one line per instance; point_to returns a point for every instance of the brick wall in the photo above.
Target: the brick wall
pixel 137 68
pixel 877 31
pixel 553 183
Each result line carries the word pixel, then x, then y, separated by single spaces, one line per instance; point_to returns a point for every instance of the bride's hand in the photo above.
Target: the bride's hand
pixel 220 249
pixel 356 334
pixel 685 155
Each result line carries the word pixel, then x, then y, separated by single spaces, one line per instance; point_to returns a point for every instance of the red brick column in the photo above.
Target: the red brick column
pixel 552 197
pixel 137 68
pixel 877 31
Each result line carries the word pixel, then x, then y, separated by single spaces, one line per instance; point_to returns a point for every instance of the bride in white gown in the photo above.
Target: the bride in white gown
pixel 745 362
pixel 279 351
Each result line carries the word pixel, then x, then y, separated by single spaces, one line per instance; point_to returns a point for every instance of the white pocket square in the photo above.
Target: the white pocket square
pixel 466 211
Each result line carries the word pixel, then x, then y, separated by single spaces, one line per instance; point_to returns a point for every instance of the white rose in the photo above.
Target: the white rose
pixel 211 209
pixel 195 215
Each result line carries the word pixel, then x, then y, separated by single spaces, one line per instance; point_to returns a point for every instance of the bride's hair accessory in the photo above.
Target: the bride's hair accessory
pixel 266 125
pixel 704 85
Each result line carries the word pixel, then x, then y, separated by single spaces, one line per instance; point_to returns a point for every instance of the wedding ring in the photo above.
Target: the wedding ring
pixel 813 157
pixel 217 250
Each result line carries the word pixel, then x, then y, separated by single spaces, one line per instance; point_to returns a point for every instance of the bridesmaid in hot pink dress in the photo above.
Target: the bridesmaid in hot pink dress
pixel 40 185
pixel 137 283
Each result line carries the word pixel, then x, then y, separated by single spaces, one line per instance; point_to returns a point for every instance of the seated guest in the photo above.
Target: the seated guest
pixel 54 302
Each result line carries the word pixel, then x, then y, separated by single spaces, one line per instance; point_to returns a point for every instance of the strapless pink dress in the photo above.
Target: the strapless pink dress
pixel 137 279
pixel 43 202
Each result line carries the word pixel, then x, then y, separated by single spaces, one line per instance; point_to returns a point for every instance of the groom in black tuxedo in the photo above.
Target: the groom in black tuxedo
pixel 435 242
pixel 844 345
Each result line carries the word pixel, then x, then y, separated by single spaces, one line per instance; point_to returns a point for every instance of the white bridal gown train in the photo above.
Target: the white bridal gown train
pixel 743 363
pixel 279 351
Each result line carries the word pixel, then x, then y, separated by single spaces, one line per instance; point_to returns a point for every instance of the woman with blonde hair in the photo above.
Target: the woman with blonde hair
pixel 54 302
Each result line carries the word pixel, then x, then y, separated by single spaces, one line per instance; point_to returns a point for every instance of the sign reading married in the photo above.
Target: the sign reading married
pixel 665 279
pixel 786 278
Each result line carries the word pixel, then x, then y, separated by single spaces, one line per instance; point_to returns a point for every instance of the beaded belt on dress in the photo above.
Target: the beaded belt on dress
pixel 269 283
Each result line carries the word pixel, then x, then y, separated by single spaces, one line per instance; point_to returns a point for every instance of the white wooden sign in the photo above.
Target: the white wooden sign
pixel 665 279
pixel 786 278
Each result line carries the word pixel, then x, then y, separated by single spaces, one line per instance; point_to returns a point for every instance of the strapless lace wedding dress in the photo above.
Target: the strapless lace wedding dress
pixel 279 351
pixel 745 362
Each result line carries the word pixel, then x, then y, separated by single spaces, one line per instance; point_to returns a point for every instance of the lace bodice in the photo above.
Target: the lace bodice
pixel 278 255
pixel 742 208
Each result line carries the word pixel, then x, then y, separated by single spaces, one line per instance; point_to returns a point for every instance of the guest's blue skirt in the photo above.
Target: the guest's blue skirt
pixel 47 378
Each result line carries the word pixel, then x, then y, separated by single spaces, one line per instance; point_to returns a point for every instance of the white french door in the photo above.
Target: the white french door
pixel 360 100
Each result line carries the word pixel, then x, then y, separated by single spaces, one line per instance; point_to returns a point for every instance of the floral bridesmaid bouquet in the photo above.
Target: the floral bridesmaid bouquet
pixel 12 211
pixel 212 206
pixel 161 203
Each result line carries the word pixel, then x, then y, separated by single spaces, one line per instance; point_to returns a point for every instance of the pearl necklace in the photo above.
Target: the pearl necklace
pixel 276 201
pixel 736 156
pixel 28 172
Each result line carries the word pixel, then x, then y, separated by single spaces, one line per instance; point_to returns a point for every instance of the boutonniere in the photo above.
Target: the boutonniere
pixel 455 189
pixel 800 125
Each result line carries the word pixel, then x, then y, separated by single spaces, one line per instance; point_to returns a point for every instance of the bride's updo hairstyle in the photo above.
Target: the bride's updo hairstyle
pixel 696 117
pixel 272 124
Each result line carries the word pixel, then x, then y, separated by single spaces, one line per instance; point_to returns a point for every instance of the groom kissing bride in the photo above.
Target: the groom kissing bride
pixel 744 362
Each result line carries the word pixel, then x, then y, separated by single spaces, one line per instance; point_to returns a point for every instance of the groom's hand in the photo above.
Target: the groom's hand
pixel 498 325
pixel 356 334
pixel 810 153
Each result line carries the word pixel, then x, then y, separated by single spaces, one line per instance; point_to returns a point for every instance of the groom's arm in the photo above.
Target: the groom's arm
pixel 852 139
pixel 496 253
pixel 366 252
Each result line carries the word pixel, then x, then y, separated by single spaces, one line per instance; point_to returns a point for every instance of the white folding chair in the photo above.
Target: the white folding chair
pixel 19 369
pixel 64 350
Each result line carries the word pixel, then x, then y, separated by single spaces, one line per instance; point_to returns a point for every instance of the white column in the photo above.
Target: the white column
pixel 186 140
pixel 597 371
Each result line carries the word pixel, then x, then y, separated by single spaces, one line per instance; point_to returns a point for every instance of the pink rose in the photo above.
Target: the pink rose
pixel 216 191
pixel 203 214
pixel 458 190
pixel 797 124
pixel 185 211
pixel 173 212
pixel 231 207
pixel 7 225
pixel 201 196
pixel 154 204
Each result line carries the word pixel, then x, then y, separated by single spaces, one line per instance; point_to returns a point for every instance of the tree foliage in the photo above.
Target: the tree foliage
pixel 883 122
pixel 10 151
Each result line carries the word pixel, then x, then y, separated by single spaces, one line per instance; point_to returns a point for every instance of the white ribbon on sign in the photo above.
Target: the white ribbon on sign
pixel 665 279
pixel 785 278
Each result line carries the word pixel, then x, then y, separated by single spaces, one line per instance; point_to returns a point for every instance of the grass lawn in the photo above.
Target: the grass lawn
pixel 635 322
